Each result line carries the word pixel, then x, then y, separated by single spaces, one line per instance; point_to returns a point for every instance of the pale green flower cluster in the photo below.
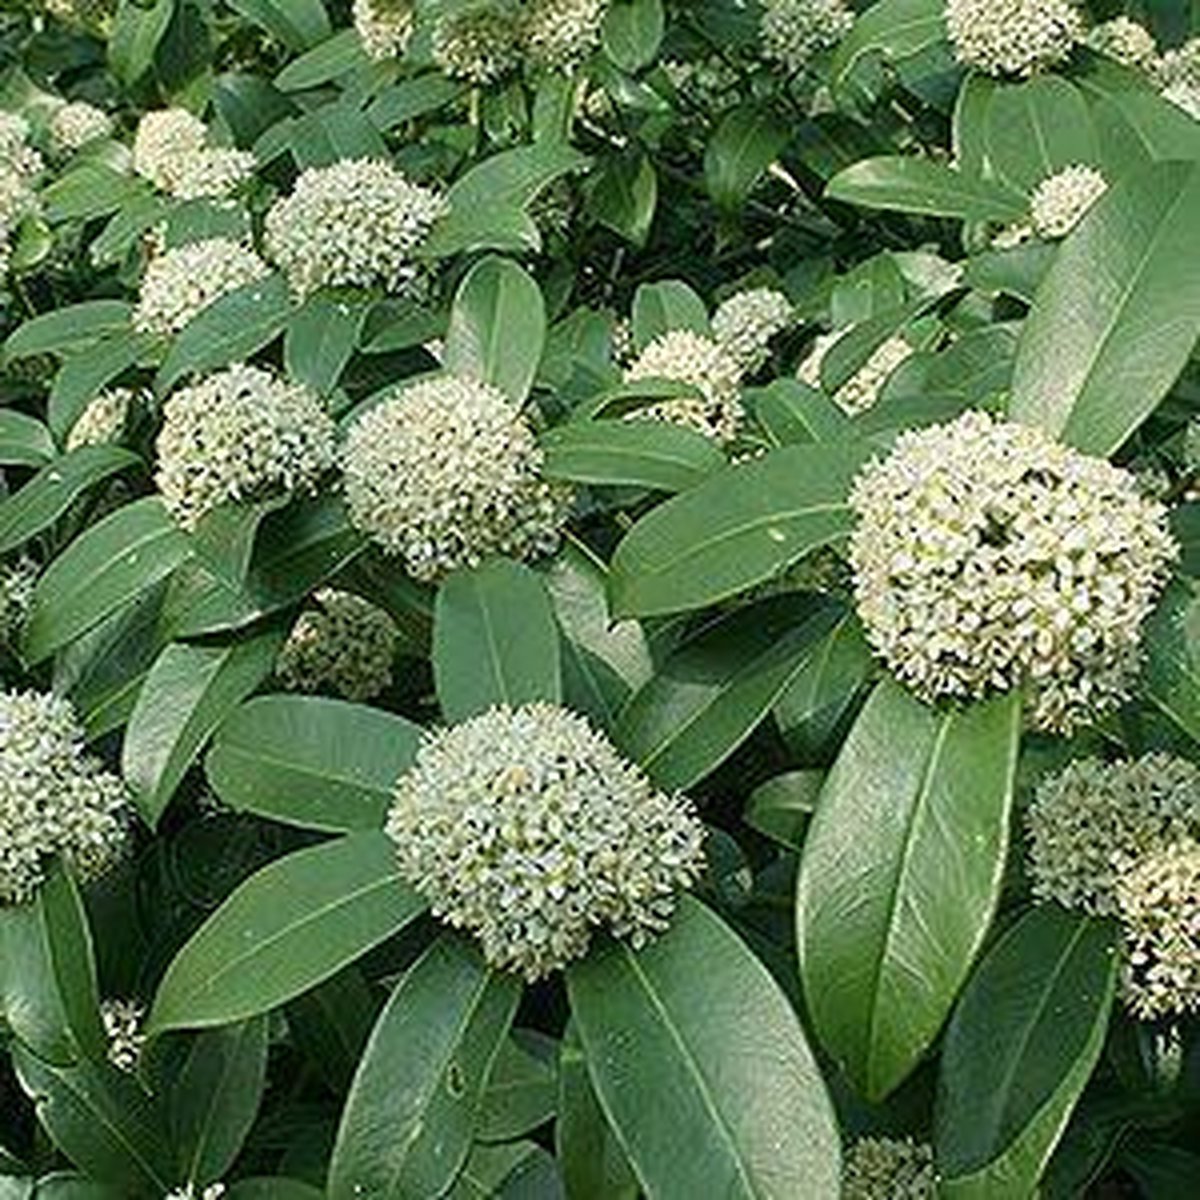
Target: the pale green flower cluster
pixel 558 34
pixel 1013 37
pixel 171 150
pixel 104 420
pixel 17 582
pixel 1060 200
pixel 527 828
pixel 123 1021
pixel 54 798
pixel 384 27
pixel 988 557
pixel 182 282
pixel 445 472
pixel 745 323
pixel 862 390
pixel 355 223
pixel 1159 905
pixel 1125 40
pixel 16 155
pixel 345 644
pixel 20 165
pixel 74 125
pixel 792 31
pixel 881 1168
pixel 240 435
pixel 1089 824
pixel 701 362
pixel 1177 74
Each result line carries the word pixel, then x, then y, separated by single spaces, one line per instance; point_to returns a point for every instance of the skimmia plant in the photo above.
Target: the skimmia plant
pixel 599 599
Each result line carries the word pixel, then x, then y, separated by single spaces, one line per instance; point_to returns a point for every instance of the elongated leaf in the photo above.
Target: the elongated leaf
pixel 494 640
pixel 650 454
pixel 661 307
pixel 321 338
pixel 917 185
pixel 632 32
pixel 739 528
pixel 900 876
pixel 1037 128
pixel 333 57
pixel 497 327
pixel 85 372
pixel 54 489
pixel 710 694
pixel 1089 374
pixel 103 570
pixel 1021 1046
pixel 298 24
pixel 744 144
pixel 310 761
pixel 702 1068
pixel 67 327
pixel 793 413
pixel 411 1112
pixel 287 928
pixel 895 29
pixel 24 440
pixel 522 1089
pixel 1172 671
pixel 187 694
pixel 781 807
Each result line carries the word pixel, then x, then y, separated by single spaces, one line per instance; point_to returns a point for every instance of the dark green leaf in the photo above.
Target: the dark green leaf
pixel 793 413
pixel 661 307
pixel 1035 129
pixel 24 441
pixel 744 144
pixel 1172 670
pixel 85 372
pixel 321 338
pixel 781 807
pixel 298 24
pixel 895 29
pixel 522 1089
pixel 333 57
pixel 67 328
pixel 622 193
pixel 632 32
pixel 135 37
pixel 917 185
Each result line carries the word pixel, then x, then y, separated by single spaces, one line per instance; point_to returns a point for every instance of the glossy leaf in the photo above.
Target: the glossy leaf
pixel 522 1089
pixel 24 440
pixel 310 761
pixel 781 807
pixel 1089 374
pixel 321 338
pixel 895 29
pixel 67 327
pixel 1019 1050
pixel 917 185
pixel 1172 671
pixel 284 930
pixel 744 144
pixel 661 307
pixel 1035 129
pixel 632 32
pixel 411 1113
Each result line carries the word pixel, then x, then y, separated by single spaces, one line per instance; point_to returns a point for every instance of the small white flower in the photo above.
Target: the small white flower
pixel 745 323
pixel 861 391
pixel 103 421
pixel 479 43
pixel 792 31
pixel 384 26
pixel 240 435
pixel 1013 37
pixel 212 1191
pixel 1060 200
pixel 356 223
pixel 171 150
pixel 17 582
pixel 527 828
pixel 560 34
pixel 76 124
pixel 123 1020
pixel 1177 74
pixel 180 283
pixel 1124 40
pixel 446 472
pixel 694 359
pixel 54 798
pixel 881 1168
pixel 16 156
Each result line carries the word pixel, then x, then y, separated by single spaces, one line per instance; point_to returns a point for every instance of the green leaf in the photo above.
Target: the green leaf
pixel 522 1089
pixel 411 1113
pixel 189 691
pixel 741 527
pixel 893 29
pixel 136 34
pixel 622 193
pixel 100 572
pixel 310 761
pixel 651 454
pixel 1089 374
pixel 1172 672
pixel 321 338
pixel 334 57
pixel 711 693
pixel 744 145
pixel 284 930
pixel 101 1120
pixel 1037 128
pixel 494 640
pixel 54 489
pixel 661 307
pixel 497 327
pixel 701 1066
pixel 90 190
pixel 413 98
pixel 215 1097
pixel 917 185
pixel 24 441
pixel 230 329
pixel 1139 127
pixel 67 328
pixel 298 24
pixel 632 32
pixel 85 372
pixel 272 1187
pixel 511 1171
pixel 900 876
pixel 1019 1050
pixel 792 413
pixel 781 807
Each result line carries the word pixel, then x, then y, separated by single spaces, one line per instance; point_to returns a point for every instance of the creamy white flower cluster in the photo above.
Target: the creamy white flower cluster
pixel 355 223
pixel 484 41
pixel 54 798
pixel 123 1021
pixel 1177 73
pixel 74 125
pixel 882 1168
pixel 104 420
pixel 446 472
pixel 986 557
pixel 1124 40
pixel 182 282
pixel 16 155
pixel 20 165
pixel 384 27
pixel 862 390
pixel 705 82
pixel 700 361
pixel 239 435
pixel 746 322
pixel 212 1191
pixel 94 15
pixel 1123 839
pixel 792 31
pixel 17 581
pixel 1013 37
pixel 526 827
pixel 171 150
pixel 1060 200
pixel 346 644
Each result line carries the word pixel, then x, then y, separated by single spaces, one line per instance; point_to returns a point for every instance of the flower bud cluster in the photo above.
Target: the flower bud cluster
pixel 171 150
pixel 104 420
pixel 793 31
pixel 1013 37
pixel 384 27
pixel 882 1168
pixel 745 323
pixel 123 1021
pixel 1124 40
pixel 862 390
pixel 1060 200
pixel 74 125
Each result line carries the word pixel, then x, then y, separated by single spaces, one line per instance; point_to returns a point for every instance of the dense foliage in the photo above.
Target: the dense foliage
pixel 599 598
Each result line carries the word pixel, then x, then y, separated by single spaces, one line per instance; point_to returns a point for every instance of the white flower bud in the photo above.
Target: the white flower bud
pixel 745 323
pixel 103 421
pixel 792 31
pixel 76 124
pixel 881 1168
pixel 1060 200
pixel 384 26
pixel 862 390
pixel 123 1021
pixel 1124 40
pixel 478 44
pixel 560 34
pixel 1013 37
